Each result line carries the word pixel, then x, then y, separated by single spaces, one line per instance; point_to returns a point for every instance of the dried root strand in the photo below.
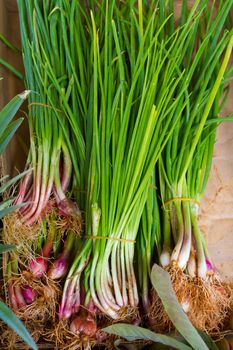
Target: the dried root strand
pixel 207 302
pixel 210 303
pixel 128 314
pixel 44 308
pixel 10 340
pixel 62 337
pixel 38 316
pixel 157 317
pixel 69 223
pixel 50 209
pixel 23 236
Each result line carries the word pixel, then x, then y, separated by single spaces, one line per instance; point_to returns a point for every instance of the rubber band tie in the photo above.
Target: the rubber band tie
pixel 112 239
pixel 183 199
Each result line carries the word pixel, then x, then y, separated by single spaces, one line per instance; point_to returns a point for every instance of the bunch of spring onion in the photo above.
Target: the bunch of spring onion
pixel 46 228
pixel 137 98
pixel 111 88
pixel 183 171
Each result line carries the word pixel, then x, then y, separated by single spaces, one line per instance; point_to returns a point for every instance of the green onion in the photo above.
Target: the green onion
pixel 183 172
pixel 122 116
pixel 137 98
pixel 47 225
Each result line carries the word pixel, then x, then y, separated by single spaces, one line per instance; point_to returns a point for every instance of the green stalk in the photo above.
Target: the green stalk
pixel 201 258
pixel 209 104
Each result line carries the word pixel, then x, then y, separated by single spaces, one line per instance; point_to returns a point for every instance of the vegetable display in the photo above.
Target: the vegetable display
pixel 124 107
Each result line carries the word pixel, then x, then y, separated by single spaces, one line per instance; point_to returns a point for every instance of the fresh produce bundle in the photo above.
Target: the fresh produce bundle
pixel 132 119
pixel 182 172
pixel 45 229
pixel 123 113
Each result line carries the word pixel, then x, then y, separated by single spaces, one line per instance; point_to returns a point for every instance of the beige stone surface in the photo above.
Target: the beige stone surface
pixel 216 214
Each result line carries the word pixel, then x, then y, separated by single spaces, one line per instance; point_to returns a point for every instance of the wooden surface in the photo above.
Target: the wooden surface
pixel 217 208
pixel 14 157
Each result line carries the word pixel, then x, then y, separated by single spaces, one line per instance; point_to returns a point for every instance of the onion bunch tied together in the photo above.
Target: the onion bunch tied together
pixel 137 98
pixel 48 227
pixel 122 116
pixel 183 171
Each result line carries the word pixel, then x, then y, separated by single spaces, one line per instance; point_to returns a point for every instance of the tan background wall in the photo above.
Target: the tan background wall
pixel 217 207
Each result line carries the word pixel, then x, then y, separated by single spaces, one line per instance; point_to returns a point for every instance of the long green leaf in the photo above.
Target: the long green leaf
pixel 6 248
pixel 8 134
pixel 161 281
pixel 5 203
pixel 9 111
pixel 15 71
pixel 10 210
pixel 12 181
pixel 208 340
pixel 12 321
pixel 9 43
pixel 132 333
